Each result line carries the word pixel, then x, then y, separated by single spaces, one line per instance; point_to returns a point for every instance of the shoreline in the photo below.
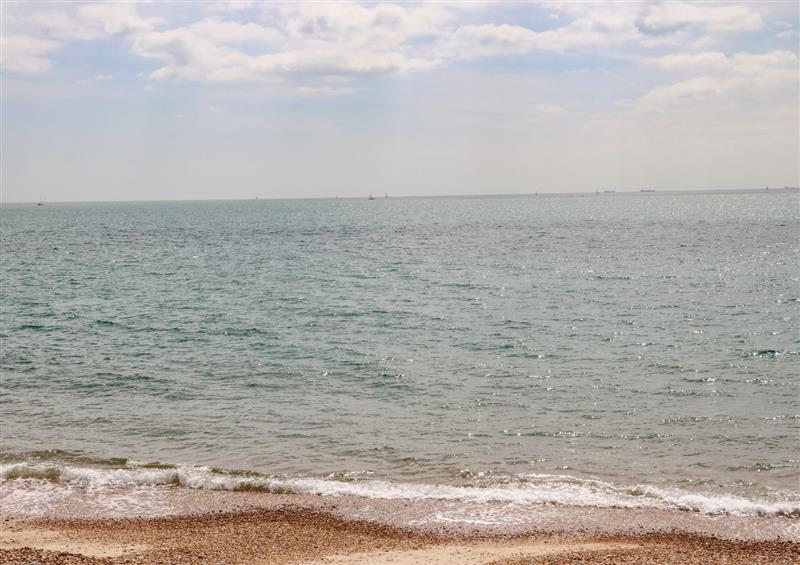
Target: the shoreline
pixel 42 501
pixel 122 487
pixel 293 534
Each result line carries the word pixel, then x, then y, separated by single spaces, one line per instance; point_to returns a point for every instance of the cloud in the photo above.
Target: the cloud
pixel 739 62
pixel 382 25
pixel 756 63
pixel 487 40
pixel 231 6
pixel 655 24
pixel 39 33
pixel 25 54
pixel 103 78
pixel 91 21
pixel 331 62
pixel 323 91
pixel 472 41
pixel 732 79
pixel 204 51
pixel 684 61
pixel 322 40
pixel 310 44
pixel 595 25
pixel 669 17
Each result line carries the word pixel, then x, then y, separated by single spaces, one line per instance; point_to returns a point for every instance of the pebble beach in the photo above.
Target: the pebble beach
pixel 298 535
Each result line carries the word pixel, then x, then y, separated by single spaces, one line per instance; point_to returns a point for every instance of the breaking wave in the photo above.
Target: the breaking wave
pixel 520 489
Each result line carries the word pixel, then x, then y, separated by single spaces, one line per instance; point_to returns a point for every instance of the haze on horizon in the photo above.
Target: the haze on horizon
pixel 168 101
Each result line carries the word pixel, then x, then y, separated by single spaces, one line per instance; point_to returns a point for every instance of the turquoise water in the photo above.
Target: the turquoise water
pixel 630 339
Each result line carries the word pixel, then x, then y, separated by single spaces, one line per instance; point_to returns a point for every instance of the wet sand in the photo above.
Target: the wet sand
pixel 313 537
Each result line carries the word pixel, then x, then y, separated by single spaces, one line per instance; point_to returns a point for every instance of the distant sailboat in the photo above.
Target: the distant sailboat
pixel 371 197
pixel 40 203
pixel 386 195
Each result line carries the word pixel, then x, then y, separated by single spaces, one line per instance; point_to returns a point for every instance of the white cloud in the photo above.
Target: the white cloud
pixel 25 54
pixel 322 40
pixel 103 78
pixel 785 61
pixel 231 6
pixel 652 24
pixel 203 51
pixel 91 21
pixel 472 41
pixel 323 91
pixel 328 62
pixel 684 61
pixel 346 38
pixel 595 25
pixel 39 33
pixel 739 62
pixel 691 90
pixel 229 32
pixel 732 80
pixel 305 43
pixel 668 17
pixel 383 25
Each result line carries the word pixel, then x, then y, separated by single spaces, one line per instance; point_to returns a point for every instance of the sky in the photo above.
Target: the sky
pixel 207 100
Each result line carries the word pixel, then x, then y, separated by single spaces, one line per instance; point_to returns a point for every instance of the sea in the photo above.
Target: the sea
pixel 613 350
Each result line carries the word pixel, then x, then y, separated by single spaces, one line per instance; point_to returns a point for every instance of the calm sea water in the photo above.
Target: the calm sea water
pixel 601 341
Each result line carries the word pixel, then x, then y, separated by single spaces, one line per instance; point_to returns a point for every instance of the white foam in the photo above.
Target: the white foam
pixel 521 490
pixel 720 503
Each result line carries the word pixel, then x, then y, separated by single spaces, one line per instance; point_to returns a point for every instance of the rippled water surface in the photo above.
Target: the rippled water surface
pixel 627 338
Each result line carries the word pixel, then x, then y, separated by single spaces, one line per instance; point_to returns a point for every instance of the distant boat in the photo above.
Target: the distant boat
pixel 371 197
pixel 40 203
pixel 386 195
pixel 648 190
pixel 609 191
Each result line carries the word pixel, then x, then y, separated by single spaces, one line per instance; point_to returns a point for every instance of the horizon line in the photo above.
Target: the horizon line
pixel 598 192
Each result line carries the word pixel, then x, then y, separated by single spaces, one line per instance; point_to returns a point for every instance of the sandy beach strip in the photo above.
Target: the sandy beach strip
pixel 296 535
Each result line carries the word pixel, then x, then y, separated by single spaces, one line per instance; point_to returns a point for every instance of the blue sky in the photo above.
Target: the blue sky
pixel 190 100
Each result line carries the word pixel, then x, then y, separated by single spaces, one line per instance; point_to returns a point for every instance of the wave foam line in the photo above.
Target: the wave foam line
pixel 525 489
